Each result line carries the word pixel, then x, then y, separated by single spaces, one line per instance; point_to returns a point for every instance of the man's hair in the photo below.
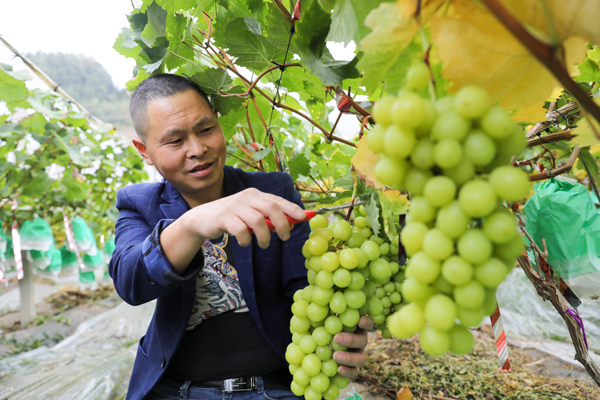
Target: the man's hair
pixel 154 88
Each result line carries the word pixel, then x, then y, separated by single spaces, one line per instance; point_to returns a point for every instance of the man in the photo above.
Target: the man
pixel 223 303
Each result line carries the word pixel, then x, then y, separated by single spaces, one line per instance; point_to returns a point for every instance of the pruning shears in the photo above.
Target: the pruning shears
pixel 312 213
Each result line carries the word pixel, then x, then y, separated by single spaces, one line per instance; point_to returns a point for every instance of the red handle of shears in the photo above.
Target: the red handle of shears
pixel 309 214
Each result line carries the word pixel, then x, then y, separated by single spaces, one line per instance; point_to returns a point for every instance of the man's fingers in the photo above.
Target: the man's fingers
pixel 350 358
pixel 348 372
pixel 356 340
pixel 366 323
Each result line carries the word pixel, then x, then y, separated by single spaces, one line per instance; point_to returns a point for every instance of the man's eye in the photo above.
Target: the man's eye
pixel 175 141
pixel 206 130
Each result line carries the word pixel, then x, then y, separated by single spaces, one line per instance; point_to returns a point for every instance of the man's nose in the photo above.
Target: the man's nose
pixel 196 147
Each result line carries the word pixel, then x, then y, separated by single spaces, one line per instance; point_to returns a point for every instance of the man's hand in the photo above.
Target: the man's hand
pixel 232 214
pixel 354 357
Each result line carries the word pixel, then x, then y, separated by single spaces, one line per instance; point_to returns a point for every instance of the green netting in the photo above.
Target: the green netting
pixel 564 215
pixel 109 246
pixel 40 259
pixel 84 237
pixel 55 260
pixel 94 260
pixel 87 277
pixel 36 235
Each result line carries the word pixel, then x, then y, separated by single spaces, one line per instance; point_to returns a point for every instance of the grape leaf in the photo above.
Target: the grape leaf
pixel 212 80
pixel 156 26
pixel 364 162
pixel 589 72
pixel 12 89
pixel 373 213
pixel 226 104
pixel 252 51
pixel 348 20
pixel 312 30
pixel 74 190
pixel 125 45
pixel 590 162
pixel 509 66
pixel 393 30
pixel 179 43
pixel 299 165
pixel 173 6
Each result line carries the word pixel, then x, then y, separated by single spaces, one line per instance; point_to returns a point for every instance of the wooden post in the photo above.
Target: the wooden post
pixel 27 291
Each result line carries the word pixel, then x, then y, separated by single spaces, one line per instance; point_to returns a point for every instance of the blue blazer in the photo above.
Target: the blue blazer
pixel 141 273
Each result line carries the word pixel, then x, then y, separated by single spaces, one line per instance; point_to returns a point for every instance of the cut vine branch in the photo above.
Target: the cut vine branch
pixel 564 167
pixel 549 292
pixel 546 54
pixel 553 137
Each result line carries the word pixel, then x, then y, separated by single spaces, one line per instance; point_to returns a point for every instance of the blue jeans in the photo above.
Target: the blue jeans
pixel 168 389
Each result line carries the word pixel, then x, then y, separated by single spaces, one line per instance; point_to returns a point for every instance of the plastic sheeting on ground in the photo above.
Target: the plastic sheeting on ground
pixel 94 363
pixel 526 315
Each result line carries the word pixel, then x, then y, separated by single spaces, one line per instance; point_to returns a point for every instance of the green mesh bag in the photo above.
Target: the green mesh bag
pixel 84 237
pixel 36 235
pixel 69 258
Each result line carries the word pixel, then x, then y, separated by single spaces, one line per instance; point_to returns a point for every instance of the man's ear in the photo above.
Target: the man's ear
pixel 141 148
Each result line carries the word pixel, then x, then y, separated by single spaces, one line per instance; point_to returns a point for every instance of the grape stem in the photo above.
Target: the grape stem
pixel 547 289
pixel 553 137
pixel 564 167
pixel 547 54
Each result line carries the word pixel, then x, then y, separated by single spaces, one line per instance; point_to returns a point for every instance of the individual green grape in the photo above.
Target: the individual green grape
pixel 394 266
pixel 444 104
pixel 497 123
pixel 477 198
pixel 440 312
pixel 307 344
pixel 474 247
pixel 422 154
pixel 311 277
pixel 316 324
pixel 382 110
pixel 299 308
pixel 434 342
pixel 431 115
pixel 412 236
pixel 472 101
pixel 317 245
pixel 457 271
pixel 461 340
pixel 413 290
pixel 469 296
pixel 424 268
pixel 321 297
pixel 332 392
pixel 354 298
pixel 357 281
pixel 394 325
pixel 412 319
pixel 490 303
pixel 416 179
pixel 316 313
pixel 391 171
pixel 371 250
pixel 376 138
pixel 324 352
pixel 395 298
pixel 324 232
pixel 408 110
pixel 418 76
pixel 500 227
pixel 384 249
pixel 452 221
pixel 437 245
pixel 366 232
pixel 321 336
pixel 510 146
pixel 461 173
pixel 301 377
pixel 439 191
pixel 337 303
pixel 348 259
pixel 479 148
pixel 324 280
pixel 380 270
pixel 510 183
pixel 297 337
pixel 312 394
pixel 374 306
pixel 293 354
pixel 450 125
pixel 470 318
pixel 340 381
pixel 443 286
pixel 356 240
pixel 333 325
pixel 311 365
pixel 386 303
pixel 341 230
pixel 361 222
pixel 297 389
pixel 421 210
pixel 307 254
pixel 398 142
pixel 350 317
pixel 307 293
pixel 317 222
pixel 330 261
pixel 329 367
pixel 315 264
pixel 447 153
pixel 510 250
pixel 298 295
pixel 299 324
pixel 379 319
pixel 341 277
pixel 491 273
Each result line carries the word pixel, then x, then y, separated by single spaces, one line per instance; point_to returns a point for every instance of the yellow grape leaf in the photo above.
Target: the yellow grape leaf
pixel 404 394
pixel 475 49
pixel 587 131
pixel 364 162
pixel 566 18
pixel 395 201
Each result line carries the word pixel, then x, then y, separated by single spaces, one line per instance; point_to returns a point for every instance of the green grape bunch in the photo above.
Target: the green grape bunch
pixel 453 157
pixel 351 272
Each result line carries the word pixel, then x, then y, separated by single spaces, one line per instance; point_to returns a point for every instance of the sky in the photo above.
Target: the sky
pixel 68 26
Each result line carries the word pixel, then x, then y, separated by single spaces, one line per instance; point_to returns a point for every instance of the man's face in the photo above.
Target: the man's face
pixel 186 145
